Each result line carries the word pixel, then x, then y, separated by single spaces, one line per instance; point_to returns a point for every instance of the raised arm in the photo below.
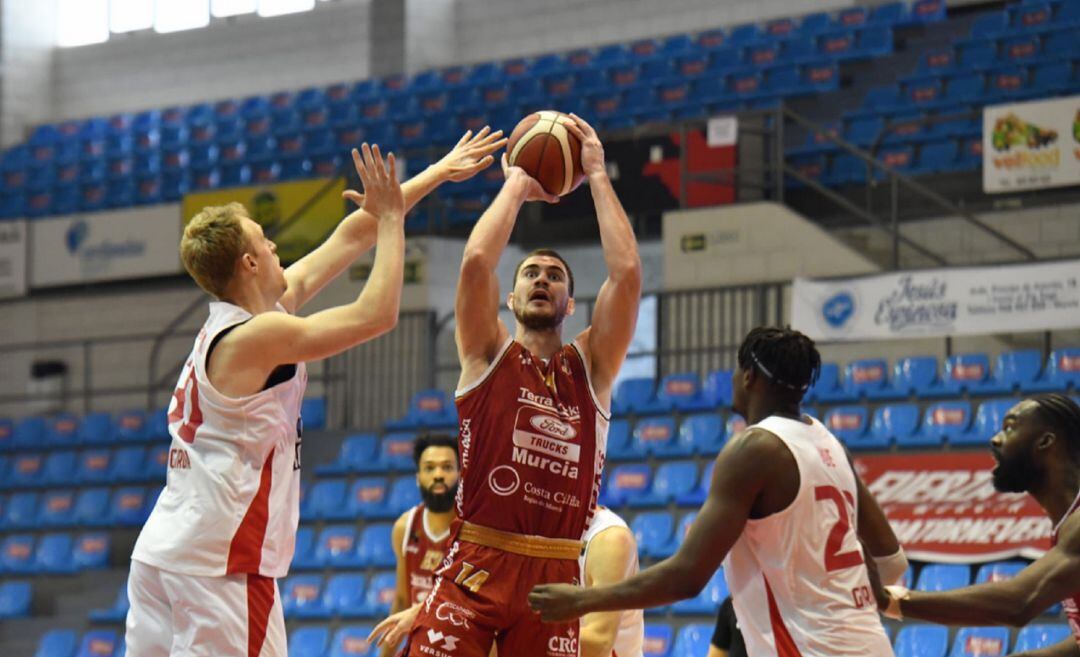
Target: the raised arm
pixel 476 310
pixel 611 558
pixel 274 338
pixel 357 232
pixel 615 313
pixel 1015 601
pixel 743 468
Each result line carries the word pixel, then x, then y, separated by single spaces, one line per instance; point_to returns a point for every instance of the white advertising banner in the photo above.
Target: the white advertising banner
pixel 940 302
pixel 1031 145
pixel 12 258
pixel 105 246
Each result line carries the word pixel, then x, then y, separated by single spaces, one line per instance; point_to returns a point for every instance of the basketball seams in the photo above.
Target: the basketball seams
pixel 532 133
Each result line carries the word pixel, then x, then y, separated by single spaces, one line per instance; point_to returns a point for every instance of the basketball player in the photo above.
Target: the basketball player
pixel 533 424
pixel 610 556
pixel 1038 452
pixel 419 535
pixel 203 570
pixel 782 511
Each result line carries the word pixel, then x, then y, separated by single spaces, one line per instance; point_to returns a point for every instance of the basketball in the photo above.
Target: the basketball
pixel 547 151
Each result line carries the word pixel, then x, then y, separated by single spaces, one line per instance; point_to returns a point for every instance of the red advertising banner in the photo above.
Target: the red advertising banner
pixel 943 508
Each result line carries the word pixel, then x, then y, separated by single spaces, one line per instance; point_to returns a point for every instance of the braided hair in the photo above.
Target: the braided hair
pixel 1063 414
pixel 786 357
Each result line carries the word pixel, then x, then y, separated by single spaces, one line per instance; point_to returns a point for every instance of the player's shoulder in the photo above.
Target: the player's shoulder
pixel 612 542
pixel 402 522
pixel 1069 533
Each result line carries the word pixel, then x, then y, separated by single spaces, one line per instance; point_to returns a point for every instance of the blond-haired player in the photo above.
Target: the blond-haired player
pixel 203 570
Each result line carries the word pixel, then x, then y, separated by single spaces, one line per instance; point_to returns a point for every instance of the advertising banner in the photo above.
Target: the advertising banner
pixel 104 246
pixel 1031 145
pixel 297 215
pixel 940 302
pixel 943 508
pixel 12 258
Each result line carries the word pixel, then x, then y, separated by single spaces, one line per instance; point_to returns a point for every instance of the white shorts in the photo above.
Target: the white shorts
pixel 175 615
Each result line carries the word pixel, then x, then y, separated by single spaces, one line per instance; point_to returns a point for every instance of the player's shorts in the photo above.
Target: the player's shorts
pixel 173 615
pixel 481 596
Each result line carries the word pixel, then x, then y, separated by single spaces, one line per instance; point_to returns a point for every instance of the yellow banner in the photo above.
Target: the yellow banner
pixel 276 206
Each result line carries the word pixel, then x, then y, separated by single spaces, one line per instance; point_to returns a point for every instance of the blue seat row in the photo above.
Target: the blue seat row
pixel 23 554
pixel 372 498
pixel 90 507
pixel 67 643
pixel 367 453
pixel 66 467
pixel 343 595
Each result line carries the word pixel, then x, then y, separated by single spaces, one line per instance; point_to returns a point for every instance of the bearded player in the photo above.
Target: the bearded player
pixel 533 424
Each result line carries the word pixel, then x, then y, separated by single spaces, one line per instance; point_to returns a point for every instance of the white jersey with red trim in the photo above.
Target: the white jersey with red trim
pixel 231 503
pixel 630 638
pixel 797 578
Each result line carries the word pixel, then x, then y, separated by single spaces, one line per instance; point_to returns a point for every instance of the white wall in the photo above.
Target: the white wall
pixel 27 34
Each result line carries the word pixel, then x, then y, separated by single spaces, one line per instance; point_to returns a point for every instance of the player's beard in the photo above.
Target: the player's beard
pixel 537 321
pixel 1017 474
pixel 439 502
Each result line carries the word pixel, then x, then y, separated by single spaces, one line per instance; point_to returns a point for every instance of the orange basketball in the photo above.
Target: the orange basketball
pixel 547 151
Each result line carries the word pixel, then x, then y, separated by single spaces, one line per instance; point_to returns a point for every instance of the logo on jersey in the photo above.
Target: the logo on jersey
pixel 431 560
pixel 546 434
pixel 435 638
pixel 504 480
pixel 563 646
pixel 178 459
pixel 454 614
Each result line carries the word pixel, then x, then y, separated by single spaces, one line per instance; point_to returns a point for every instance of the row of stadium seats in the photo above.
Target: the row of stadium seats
pixel 98 465
pixel 936 156
pixel 23 554
pixel 92 507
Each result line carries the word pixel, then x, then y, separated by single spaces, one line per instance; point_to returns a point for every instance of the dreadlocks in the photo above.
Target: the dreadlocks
pixel 786 357
pixel 1063 414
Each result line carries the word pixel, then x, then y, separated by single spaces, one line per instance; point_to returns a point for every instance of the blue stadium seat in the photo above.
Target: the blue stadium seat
pixel 1035 637
pixel 827 388
pixel 301 596
pixel 850 424
pixel 895 423
pixel 128 465
pixel 396 452
pixel 53 554
pixel 672 481
pixel 157 463
pixel 922 641
pixel 734 425
pixel 980 642
pixel 703 432
pixel 706 602
pixel 29 432
pixel 304 549
pixel 93 466
pixel 693 639
pixel 866 376
pixel 17 553
pixel 337 547
pixel 7 434
pixel 309 642
pixel 621 445
pixel 1061 371
pixel 380 594
pixel 1013 370
pixel 92 507
pixel 326 498
pixel 375 549
pixel 1051 77
pixel 359 453
pixel 657 641
pixel 988 421
pixel 653 531
pixel 367 499
pixel 21 511
pixel 57 508
pixel 57 643
pixel 696 497
pixel 99 643
pixel 998 571
pixel 96 429
pixel 428 408
pixel 91 551
pixel 128 507
pixel 684 392
pixel 624 483
pixel 404 494
pixel 943 577
pixel 657 435
pixel 945 421
pixel 636 395
pixel 351 641
pixel 344 595
pixel 62 430
pixel 26 470
pixel 916 375
pixel 117 612
pixel 15 598
pixel 964 373
pixel 716 389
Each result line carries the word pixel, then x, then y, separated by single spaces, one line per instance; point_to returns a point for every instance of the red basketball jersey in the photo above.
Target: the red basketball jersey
pixel 531 440
pixel 1071 603
pixel 423 553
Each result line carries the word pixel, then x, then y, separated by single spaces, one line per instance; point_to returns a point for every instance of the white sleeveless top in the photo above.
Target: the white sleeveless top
pixel 628 641
pixel 231 503
pixel 797 578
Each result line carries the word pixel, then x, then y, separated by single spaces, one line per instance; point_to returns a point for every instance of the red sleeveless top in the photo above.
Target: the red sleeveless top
pixel 423 554
pixel 532 439
pixel 1071 603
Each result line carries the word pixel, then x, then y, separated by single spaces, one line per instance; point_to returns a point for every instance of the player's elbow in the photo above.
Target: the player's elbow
pixel 475 261
pixel 626 270
pixel 1024 613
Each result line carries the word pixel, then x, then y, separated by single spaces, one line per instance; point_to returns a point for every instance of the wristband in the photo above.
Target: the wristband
pixel 896 595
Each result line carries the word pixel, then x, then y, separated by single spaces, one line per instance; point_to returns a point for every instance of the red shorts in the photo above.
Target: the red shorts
pixel 481 597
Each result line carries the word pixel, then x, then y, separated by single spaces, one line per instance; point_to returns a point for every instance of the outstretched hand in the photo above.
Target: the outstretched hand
pixel 472 154
pixel 536 191
pixel 592 151
pixel 393 629
pixel 556 602
pixel 382 195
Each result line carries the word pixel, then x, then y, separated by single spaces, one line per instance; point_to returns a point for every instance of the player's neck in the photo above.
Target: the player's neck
pixel 438 523
pixel 759 410
pixel 543 343
pixel 1058 491
pixel 250 299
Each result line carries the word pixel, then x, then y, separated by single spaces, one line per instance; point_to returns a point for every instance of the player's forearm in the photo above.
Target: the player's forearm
pixel 616 235
pixel 380 299
pixel 985 604
pixel 1067 648
pixel 662 584
pixel 417 188
pixel 492 232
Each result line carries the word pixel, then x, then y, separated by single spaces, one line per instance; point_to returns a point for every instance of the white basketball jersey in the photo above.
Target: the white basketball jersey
pixel 797 578
pixel 231 503
pixel 628 642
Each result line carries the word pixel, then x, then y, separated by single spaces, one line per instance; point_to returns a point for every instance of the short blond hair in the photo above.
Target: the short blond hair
pixel 213 241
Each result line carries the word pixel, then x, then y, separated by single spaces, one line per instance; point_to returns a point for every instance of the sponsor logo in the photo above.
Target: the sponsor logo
pixel 448 641
pixel 559 467
pixel 838 309
pixel 916 304
pixel 421 582
pixel 431 559
pixel 454 614
pixel 552 436
pixel 178 459
pixel 569 413
pixel 504 480
pixel 563 646
pixel 558 497
pixel 553 427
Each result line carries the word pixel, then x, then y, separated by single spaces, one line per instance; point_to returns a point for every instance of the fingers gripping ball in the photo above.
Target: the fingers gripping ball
pixel 547 151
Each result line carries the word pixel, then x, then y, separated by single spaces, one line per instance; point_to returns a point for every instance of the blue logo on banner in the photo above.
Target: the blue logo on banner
pixel 838 309
pixel 76 235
